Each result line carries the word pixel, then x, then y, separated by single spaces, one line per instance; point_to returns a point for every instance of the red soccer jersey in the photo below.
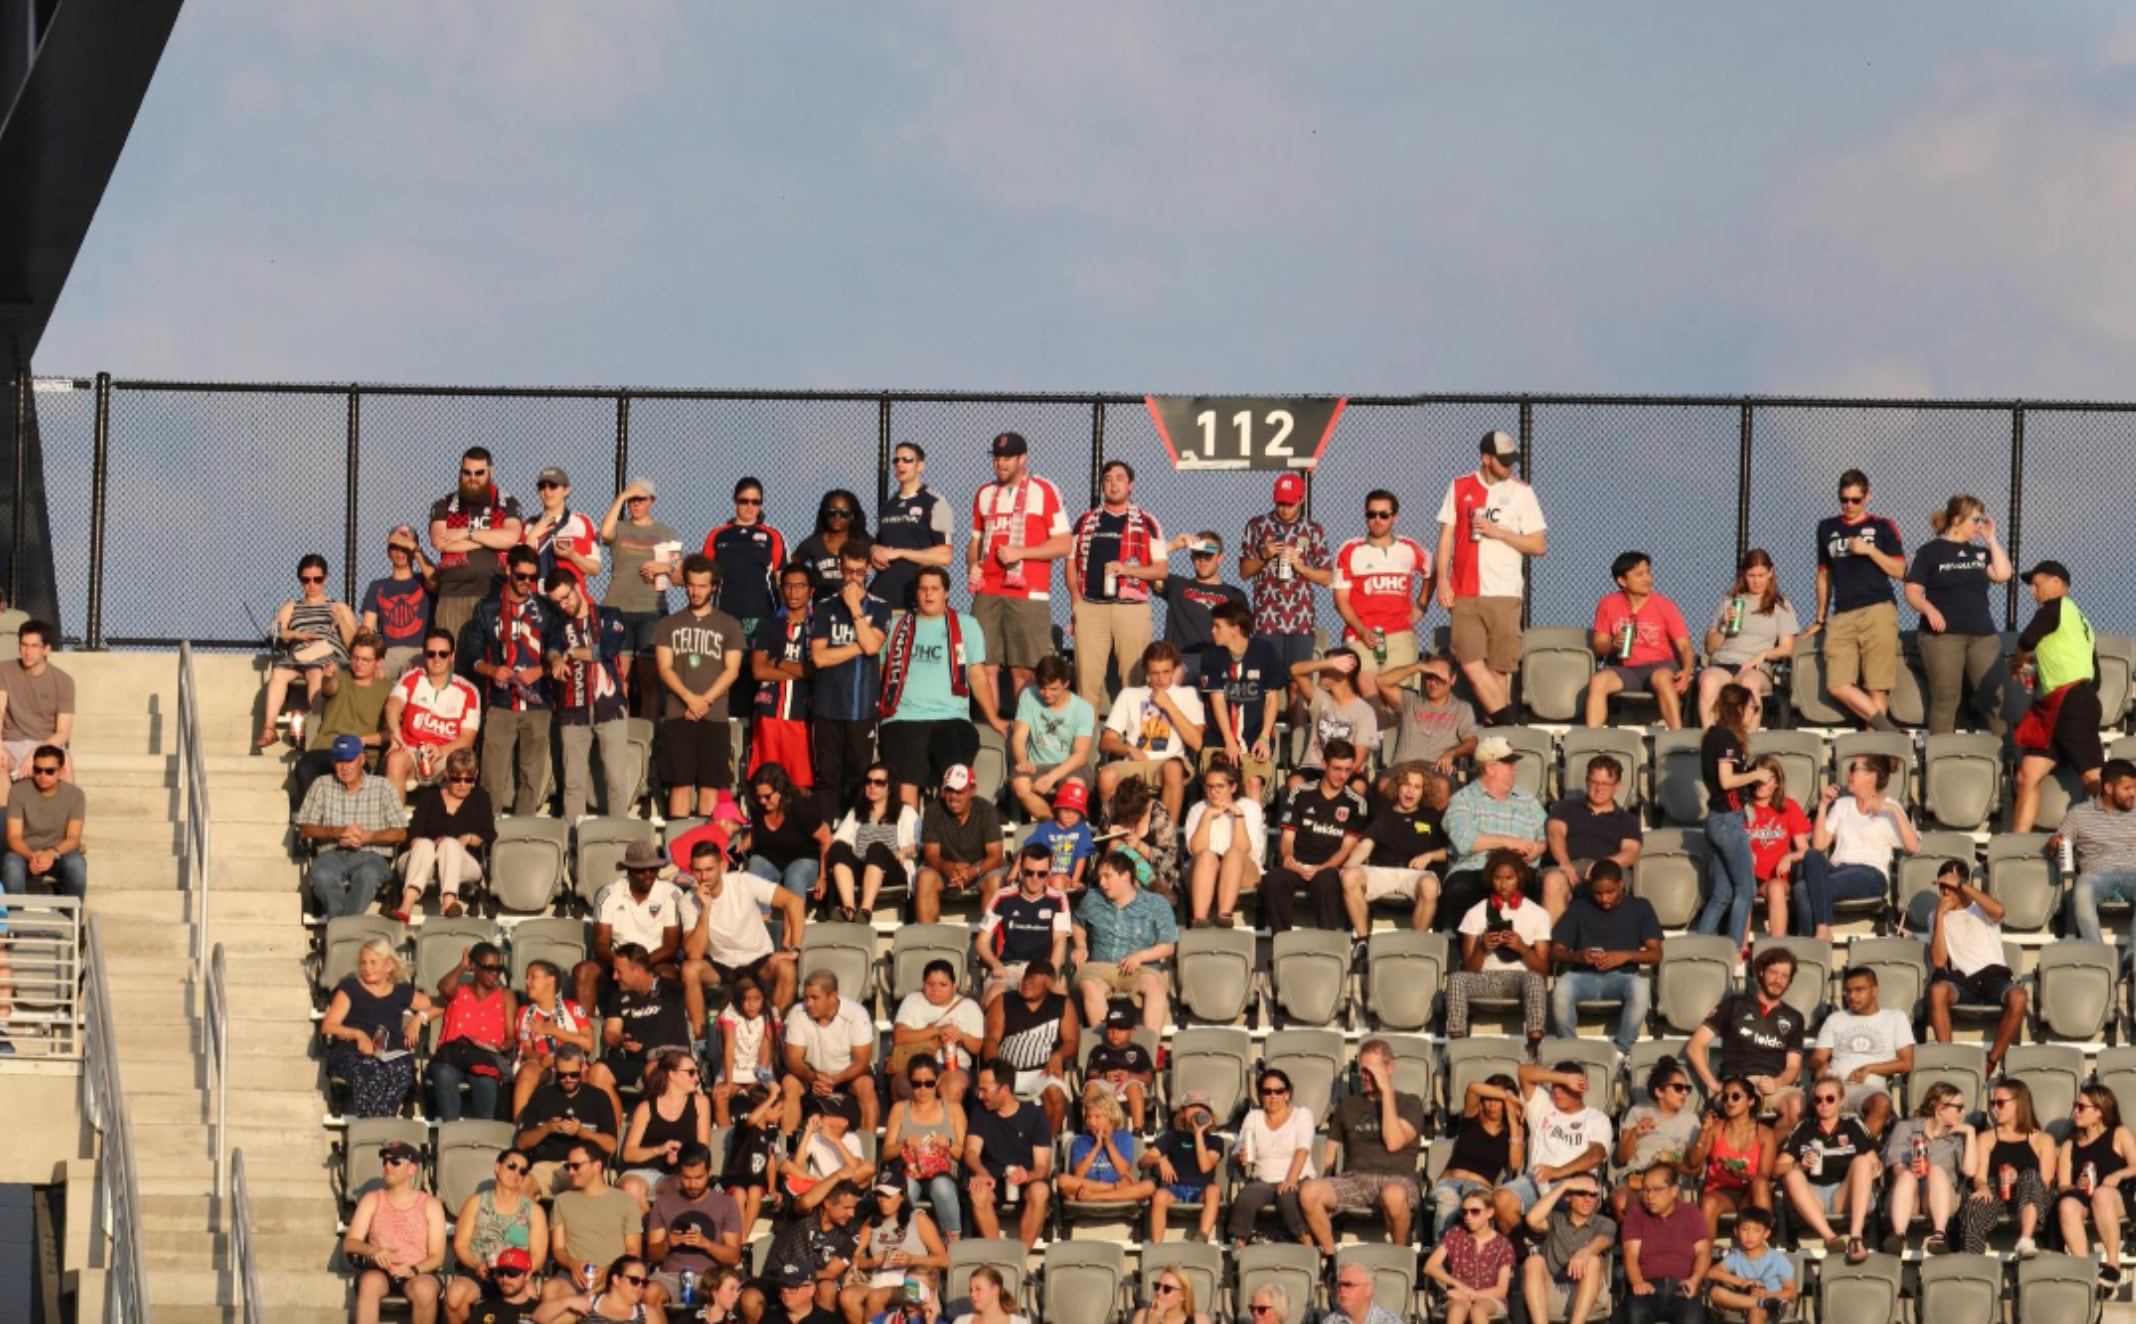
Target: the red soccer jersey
pixel 993 512
pixel 436 716
pixel 1382 581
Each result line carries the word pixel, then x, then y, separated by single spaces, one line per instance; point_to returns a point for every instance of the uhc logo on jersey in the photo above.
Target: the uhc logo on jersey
pixel 1384 585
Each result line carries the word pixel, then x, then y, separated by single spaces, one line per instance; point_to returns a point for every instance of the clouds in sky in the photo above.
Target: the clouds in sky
pixel 1900 198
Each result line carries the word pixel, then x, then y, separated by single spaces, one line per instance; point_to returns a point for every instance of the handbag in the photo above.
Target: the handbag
pixel 902 1055
pixel 470 1058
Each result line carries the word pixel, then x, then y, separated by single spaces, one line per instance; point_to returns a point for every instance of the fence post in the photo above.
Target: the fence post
pixel 622 439
pixel 99 480
pixel 883 449
pixel 2017 510
pixel 348 555
pixel 1527 469
pixel 18 503
pixel 1097 453
pixel 1743 429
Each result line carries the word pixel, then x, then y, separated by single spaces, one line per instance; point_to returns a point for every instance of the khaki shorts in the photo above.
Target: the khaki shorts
pixel 1857 1095
pixel 1862 647
pixel 1401 651
pixel 1561 1290
pixel 1120 983
pixel 1486 630
pixel 1150 772
pixel 1019 631
pixel 1385 884
pixel 1265 769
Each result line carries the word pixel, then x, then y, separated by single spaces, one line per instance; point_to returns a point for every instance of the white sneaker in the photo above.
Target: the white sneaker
pixel 2026 1249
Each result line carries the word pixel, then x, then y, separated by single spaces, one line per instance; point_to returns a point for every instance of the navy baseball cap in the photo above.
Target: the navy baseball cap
pixel 347 749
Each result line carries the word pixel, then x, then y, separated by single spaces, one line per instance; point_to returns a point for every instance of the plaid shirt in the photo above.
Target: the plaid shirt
pixel 1279 607
pixel 1118 932
pixel 372 806
pixel 1473 813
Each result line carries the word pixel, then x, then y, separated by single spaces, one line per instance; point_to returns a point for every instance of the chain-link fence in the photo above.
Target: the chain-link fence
pixel 212 491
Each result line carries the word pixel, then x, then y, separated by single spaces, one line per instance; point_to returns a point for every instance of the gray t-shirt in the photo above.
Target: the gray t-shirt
pixel 1355 721
pixel 715 1214
pixel 1761 633
pixel 34 703
pixel 1422 733
pixel 632 548
pixel 700 645
pixel 1668 1142
pixel 44 817
pixel 1564 1239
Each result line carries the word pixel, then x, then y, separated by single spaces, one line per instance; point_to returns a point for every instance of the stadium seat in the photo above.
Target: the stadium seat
pixel 601 843
pixel 2117 659
pixel 1536 773
pixel 1404 972
pixel 1597 1057
pixel 1310 974
pixel 467 1158
pixel 1697 970
pixel 1215 974
pixel 1394 1274
pixel 1806 695
pixel 1901 966
pixel 1217 1060
pixel 559 941
pixel 1479 1058
pixel 2013 956
pixel 990 766
pixel 440 943
pixel 357 1165
pixel 1865 1291
pixel 847 951
pixel 2077 983
pixel 1582 743
pixel 2115 1068
pixel 912 947
pixel 345 937
pixel 1916 873
pixel 638 742
pixel 1963 1065
pixel 1416 1066
pixel 1960 1289
pixel 1671 873
pixel 1090 1039
pixel 2061 1288
pixel 1556 663
pixel 1804 760
pixel 2054 1073
pixel 1199 1262
pixel 1961 780
pixel 1810 991
pixel 1908 703
pixel 2019 876
pixel 1083 1282
pixel 1905 787
pixel 1314 1060
pixel 674 830
pixel 1437 1155
pixel 1018 835
pixel 2058 791
pixel 1005 1254
pixel 1679 786
pixel 1294 1268
pixel 1640 1062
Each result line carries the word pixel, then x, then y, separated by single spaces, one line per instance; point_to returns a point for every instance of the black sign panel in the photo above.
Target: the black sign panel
pixel 1245 431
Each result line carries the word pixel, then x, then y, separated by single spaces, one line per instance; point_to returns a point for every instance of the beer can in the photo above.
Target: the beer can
pixel 1627 635
pixel 1475 530
pixel 1379 646
pixel 2006 1181
pixel 689 1287
pixel 589 1275
pixel 1920 1154
pixel 424 764
pixel 2068 859
pixel 1734 624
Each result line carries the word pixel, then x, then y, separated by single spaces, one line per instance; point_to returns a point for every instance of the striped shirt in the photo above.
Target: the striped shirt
pixel 372 806
pixel 1475 812
pixel 2105 839
pixel 1115 933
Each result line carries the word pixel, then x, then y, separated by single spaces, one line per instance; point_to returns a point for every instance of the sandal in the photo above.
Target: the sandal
pixel 1936 1244
pixel 1836 1243
pixel 844 914
pixel 866 915
pixel 1857 1253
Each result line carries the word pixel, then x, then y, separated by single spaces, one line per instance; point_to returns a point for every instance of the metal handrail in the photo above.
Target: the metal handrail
pixel 118 1186
pixel 242 1254
pixel 208 970
pixel 215 1017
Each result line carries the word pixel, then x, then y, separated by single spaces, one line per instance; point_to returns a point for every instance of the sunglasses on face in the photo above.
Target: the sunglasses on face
pixel 1166 1289
pixel 1581 1195
pixel 635 1280
pixel 1852 500
pixel 1431 679
pixel 311 579
pixel 1035 873
pixel 44 772
pixel 1379 514
pixel 461 781
pixel 1273 1091
pixel 570 1075
pixel 1734 1097
pixel 1474 1211
pixel 1828 1098
pixel 923 1083
pixel 547 485
pixel 636 499
pixel 1998 1103
pixel 1258 1311
pixel 2083 1105
pixel 574 1166
pixel 519 1168
pixel 683 1071
pixel 749 501
pixel 1952 1103
pixel 879 782
pixel 904 459
pixel 838 512
pixel 474 473
pixel 397 1160
pixel 508 1273
pixel 494 967
pixel 525 576
pixel 437 652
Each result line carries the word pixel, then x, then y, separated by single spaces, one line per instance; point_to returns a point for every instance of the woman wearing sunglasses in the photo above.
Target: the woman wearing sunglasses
pixel 1474 1264
pixel 398 1235
pixel 453 824
pixel 925 1135
pixel 506 1216
pixel 1275 1151
pixel 674 1115
pixel 475 1043
pixel 1926 1158
pixel 839 519
pixel 875 845
pixel 2017 1161
pixel 1828 1167
pixel 2097 1159
pixel 1660 1131
pixel 624 1302
pixel 1171 1301
pixel 897 1241
pixel 311 635
pixel 1735 1151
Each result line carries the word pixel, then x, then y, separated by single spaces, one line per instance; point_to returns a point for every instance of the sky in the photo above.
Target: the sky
pixel 1903 198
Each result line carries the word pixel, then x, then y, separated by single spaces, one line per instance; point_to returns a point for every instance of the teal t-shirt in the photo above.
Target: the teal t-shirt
pixel 1054 731
pixel 927 696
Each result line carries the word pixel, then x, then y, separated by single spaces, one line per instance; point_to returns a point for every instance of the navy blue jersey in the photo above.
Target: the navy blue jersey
pixel 852 691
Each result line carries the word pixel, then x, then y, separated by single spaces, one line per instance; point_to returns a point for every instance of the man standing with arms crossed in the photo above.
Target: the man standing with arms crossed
pixel 1489 524
pixel 698 652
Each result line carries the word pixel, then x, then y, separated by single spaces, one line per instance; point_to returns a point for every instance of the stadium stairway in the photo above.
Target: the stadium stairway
pixel 126 753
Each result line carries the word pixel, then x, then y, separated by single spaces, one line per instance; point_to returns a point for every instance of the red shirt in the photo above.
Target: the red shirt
pixel 1382 581
pixel 1772 835
pixel 993 510
pixel 436 716
pixel 1657 623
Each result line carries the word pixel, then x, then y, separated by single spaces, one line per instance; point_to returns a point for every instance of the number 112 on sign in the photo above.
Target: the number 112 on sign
pixel 1244 432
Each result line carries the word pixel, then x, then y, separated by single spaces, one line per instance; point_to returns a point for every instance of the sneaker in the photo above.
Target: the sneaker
pixel 2109 1277
pixel 1201 923
pixel 2026 1248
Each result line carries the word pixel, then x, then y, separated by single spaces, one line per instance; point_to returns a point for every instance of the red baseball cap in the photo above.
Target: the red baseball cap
pixel 1289 488
pixel 1072 795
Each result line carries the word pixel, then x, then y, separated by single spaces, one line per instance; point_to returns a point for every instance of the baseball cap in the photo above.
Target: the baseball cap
pixel 2055 568
pixel 958 778
pixel 552 474
pixel 915 1291
pixel 889 1186
pixel 793 1275
pixel 511 1257
pixel 347 749
pixel 1011 443
pixel 1072 795
pixel 643 855
pixel 1119 1018
pixel 399 1150
pixel 1500 443
pixel 1496 749
pixel 1290 488
pixel 644 485
pixel 1196 1099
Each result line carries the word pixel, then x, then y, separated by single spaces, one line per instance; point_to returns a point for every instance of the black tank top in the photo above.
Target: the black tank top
pixel 659 1130
pixel 2099 1152
pixel 2014 1154
pixel 1477 1150
pixel 1030 1034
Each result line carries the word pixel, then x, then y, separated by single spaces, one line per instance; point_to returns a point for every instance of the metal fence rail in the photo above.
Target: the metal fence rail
pixel 40 981
pixel 248 477
pixel 118 1192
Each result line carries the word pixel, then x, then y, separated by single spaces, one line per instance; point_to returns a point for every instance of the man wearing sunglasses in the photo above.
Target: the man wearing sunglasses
pixel 560 535
pixel 589 661
pixel 355 706
pixel 397 608
pixel 36 706
pixel 562 1114
pixel 510 640
pixel 846 634
pixel 1432 727
pixel 44 829
pixel 1858 555
pixel 1566 1274
pixel 648 557
pixel 912 528
pixel 1382 587
pixel 1189 600
pixel 591 1226
pixel 513 1296
pixel 430 713
pixel 471 530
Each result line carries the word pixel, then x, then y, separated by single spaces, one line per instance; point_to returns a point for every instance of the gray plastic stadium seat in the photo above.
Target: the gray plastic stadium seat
pixel 1909 696
pixel 2059 1288
pixel 1404 972
pixel 1806 693
pixel 440 943
pixel 1310 973
pixel 1963 1065
pixel 1905 783
pixel 676 828
pixel 2116 1069
pixel 1479 1058
pixel 1005 1254
pixel 2013 956
pixel 2019 876
pixel 912 947
pixel 1555 665
pixel 601 843
pixel 1901 966
pixel 2117 659
pixel 1679 787
pixel 1810 991
pixel 990 766
pixel 1314 1060
pixel 847 951
pixel 360 1169
pixel 1804 759
pixel 1394 1274
pixel 345 936
pixel 1629 748
pixel 1416 1066
pixel 1437 1155
pixel 1961 779
pixel 467 1157
pixel 1597 1057
pixel 1083 1282
pixel 1641 1060
pixel 1865 1291
pixel 1916 873
pixel 2078 981
pixel 638 742
pixel 1090 1039
pixel 1200 1263
pixel 1217 1060
pixel 2054 1073
pixel 1214 972
pixel 1671 873
pixel 1018 835
pixel 1697 970
pixel 561 941
pixel 1960 1289
pixel 2058 791
pixel 1295 1268
pixel 1074 1211
pixel 1536 773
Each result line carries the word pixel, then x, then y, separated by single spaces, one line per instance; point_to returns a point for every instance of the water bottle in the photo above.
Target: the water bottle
pixel 1627 635
pixel 2090 1178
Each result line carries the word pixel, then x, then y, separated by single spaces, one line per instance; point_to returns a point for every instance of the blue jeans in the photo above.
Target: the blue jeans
pixel 942 1192
pixel 798 878
pixel 1576 986
pixel 1819 884
pixel 1446 1198
pixel 2085 894
pixel 1735 878
pixel 346 881
pixel 70 875
pixel 445 1082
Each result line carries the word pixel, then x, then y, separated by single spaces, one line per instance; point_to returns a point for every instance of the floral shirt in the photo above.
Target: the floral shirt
pixel 1280 606
pixel 1477 1266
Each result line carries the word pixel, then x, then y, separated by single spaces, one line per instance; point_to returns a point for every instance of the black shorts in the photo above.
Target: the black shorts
pixel 2076 729
pixel 755 970
pixel 1986 987
pixel 697 754
pixel 920 752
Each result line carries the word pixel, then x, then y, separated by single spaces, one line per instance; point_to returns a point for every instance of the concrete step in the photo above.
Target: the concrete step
pixel 166 937
pixel 282 1290
pixel 314 1215
pixel 266 1148
pixel 164 837
pixel 170 1314
pixel 173 1000
pixel 281 1110
pixel 263 767
pixel 170 906
pixel 183 1070
pixel 249 1038
pixel 189 1249
pixel 151 866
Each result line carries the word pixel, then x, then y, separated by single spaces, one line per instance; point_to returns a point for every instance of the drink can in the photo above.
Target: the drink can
pixel 1475 528
pixel 2006 1181
pixel 2090 1178
pixel 2068 859
pixel 1379 646
pixel 425 764
pixel 1627 635
pixel 1285 572
pixel 1920 1155
pixel 689 1287
pixel 1813 1159
pixel 1734 624
pixel 2028 675
pixel 1112 582
pixel 589 1275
